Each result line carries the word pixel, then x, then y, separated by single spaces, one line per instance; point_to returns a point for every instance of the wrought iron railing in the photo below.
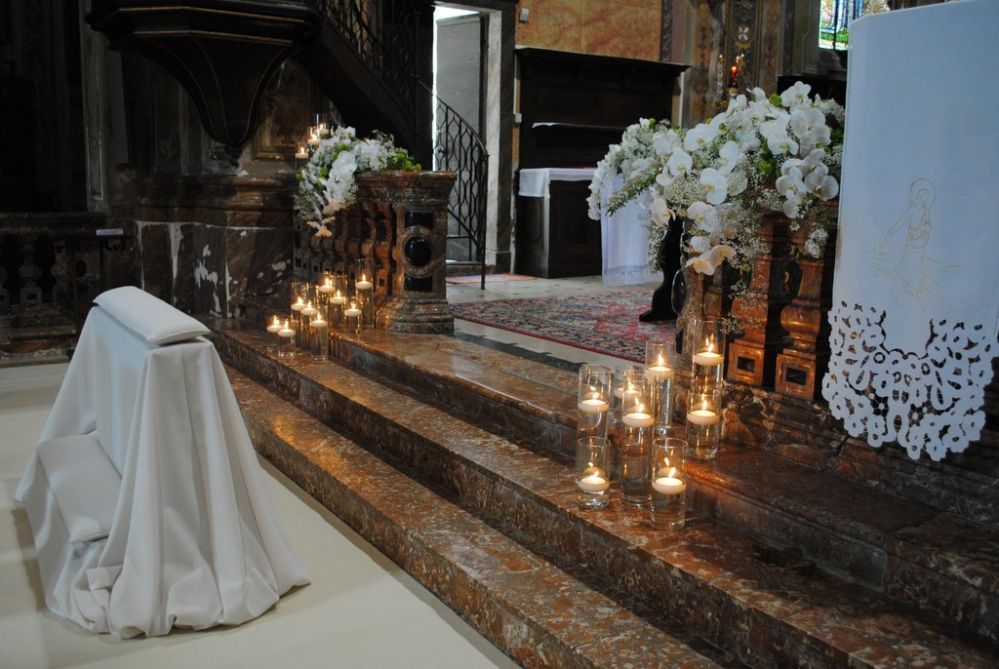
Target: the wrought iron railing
pixel 459 148
pixel 383 33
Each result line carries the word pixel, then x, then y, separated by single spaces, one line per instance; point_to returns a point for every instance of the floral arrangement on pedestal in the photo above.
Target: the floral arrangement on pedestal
pixel 777 153
pixel 327 183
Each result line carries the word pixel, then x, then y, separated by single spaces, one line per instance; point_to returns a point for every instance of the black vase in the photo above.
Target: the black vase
pixel 667 300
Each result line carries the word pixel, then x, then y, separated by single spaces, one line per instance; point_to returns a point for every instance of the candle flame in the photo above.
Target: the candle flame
pixel 329 282
pixel 710 344
pixel 286 324
pixel 671 473
pixel 660 362
pixel 299 300
pixel 704 405
pixel 276 321
pixel 338 293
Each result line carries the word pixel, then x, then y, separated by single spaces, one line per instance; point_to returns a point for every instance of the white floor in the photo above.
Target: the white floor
pixel 360 611
pixel 537 288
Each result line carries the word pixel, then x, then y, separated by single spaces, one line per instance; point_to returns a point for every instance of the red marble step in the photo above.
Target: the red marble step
pixel 533 611
pixel 847 528
pixel 763 605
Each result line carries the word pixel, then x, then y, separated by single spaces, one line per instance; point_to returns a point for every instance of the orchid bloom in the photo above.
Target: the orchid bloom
pixel 704 216
pixel 661 212
pixel 679 163
pixel 708 262
pixel 715 185
pixel 796 95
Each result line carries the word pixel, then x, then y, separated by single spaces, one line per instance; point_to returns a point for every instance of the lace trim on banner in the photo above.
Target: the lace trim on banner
pixel 928 401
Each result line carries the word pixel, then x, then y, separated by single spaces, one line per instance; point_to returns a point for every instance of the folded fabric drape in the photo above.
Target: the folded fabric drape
pixel 148 316
pixel 195 539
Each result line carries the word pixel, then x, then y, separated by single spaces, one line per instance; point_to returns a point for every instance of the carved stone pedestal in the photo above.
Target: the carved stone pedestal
pixel 752 357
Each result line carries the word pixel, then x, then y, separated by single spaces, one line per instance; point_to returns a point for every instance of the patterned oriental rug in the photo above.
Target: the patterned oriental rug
pixel 605 323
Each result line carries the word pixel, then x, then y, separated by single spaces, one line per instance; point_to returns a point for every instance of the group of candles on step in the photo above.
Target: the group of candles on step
pixel 629 433
pixel 336 302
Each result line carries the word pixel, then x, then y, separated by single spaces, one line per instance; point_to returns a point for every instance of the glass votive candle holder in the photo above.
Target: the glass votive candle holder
pixel 593 401
pixel 337 303
pixel 708 354
pixel 634 449
pixel 287 334
pixel 659 364
pixel 592 476
pixel 273 327
pixel 704 424
pixel 308 312
pixel 364 291
pixel 669 483
pixel 319 336
pixel 629 385
pixel 324 290
pixel 352 318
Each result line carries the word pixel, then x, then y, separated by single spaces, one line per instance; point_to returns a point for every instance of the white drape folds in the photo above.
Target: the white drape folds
pixel 195 540
pixel 625 238
pixel 915 309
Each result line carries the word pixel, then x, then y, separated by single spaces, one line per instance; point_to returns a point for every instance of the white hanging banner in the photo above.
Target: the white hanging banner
pixel 916 295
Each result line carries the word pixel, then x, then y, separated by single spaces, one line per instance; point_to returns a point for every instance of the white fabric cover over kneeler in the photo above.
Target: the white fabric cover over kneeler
pixel 195 539
pixel 915 311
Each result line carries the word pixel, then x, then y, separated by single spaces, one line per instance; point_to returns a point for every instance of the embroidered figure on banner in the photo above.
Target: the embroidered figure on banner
pixel 900 255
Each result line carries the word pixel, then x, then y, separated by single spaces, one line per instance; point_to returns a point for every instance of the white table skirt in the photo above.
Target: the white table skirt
pixel 535 182
pixel 195 541
pixel 625 239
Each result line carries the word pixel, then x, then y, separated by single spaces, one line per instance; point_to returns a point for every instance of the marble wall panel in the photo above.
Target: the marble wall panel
pixel 209 276
pixel 625 29
pixel 553 24
pixel 183 247
pixel 258 265
pixel 155 259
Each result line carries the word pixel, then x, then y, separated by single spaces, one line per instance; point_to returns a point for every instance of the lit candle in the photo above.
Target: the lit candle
pixel 703 416
pixel 298 305
pixel 638 417
pixel 708 358
pixel 593 483
pixel 659 371
pixel 326 287
pixel 668 485
pixel 626 394
pixel 352 311
pixel 308 309
pixel 286 331
pixel 275 326
pixel 338 298
pixel 363 283
pixel 593 403
pixel 302 154
pixel 318 322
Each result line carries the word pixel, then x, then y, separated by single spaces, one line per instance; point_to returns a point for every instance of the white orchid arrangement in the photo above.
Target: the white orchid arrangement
pixel 327 183
pixel 780 153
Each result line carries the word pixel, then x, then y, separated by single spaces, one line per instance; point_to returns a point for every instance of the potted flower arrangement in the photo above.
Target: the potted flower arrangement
pixel 763 154
pixel 327 183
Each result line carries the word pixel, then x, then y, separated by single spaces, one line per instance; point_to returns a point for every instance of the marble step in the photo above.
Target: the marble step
pixel 536 613
pixel 910 552
pixel 764 605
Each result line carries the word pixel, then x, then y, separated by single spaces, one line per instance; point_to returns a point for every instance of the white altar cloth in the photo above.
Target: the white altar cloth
pixel 195 539
pixel 915 309
pixel 535 182
pixel 625 238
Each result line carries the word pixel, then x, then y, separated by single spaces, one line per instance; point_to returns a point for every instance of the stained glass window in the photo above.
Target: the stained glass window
pixel 835 17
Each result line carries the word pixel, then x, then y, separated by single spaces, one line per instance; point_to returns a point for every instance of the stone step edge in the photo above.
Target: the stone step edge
pixel 480 483
pixel 785 517
pixel 513 621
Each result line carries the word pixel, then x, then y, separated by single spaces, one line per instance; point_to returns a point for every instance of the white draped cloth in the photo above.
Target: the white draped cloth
pixel 625 238
pixel 916 312
pixel 195 539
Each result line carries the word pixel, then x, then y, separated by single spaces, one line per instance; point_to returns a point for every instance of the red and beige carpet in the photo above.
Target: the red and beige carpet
pixel 604 322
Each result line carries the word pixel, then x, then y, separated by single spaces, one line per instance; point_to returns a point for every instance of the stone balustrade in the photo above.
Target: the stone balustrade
pixel 399 225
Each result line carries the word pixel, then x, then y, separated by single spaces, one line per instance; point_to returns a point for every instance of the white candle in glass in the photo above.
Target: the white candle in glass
pixel 659 371
pixel 318 322
pixel 702 416
pixel 626 394
pixel 275 326
pixel 638 417
pixel 338 298
pixel 308 310
pixel 593 404
pixel 363 283
pixel 325 287
pixel 286 331
pixel 352 311
pixel 668 485
pixel 298 305
pixel 708 357
pixel 302 154
pixel 593 483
